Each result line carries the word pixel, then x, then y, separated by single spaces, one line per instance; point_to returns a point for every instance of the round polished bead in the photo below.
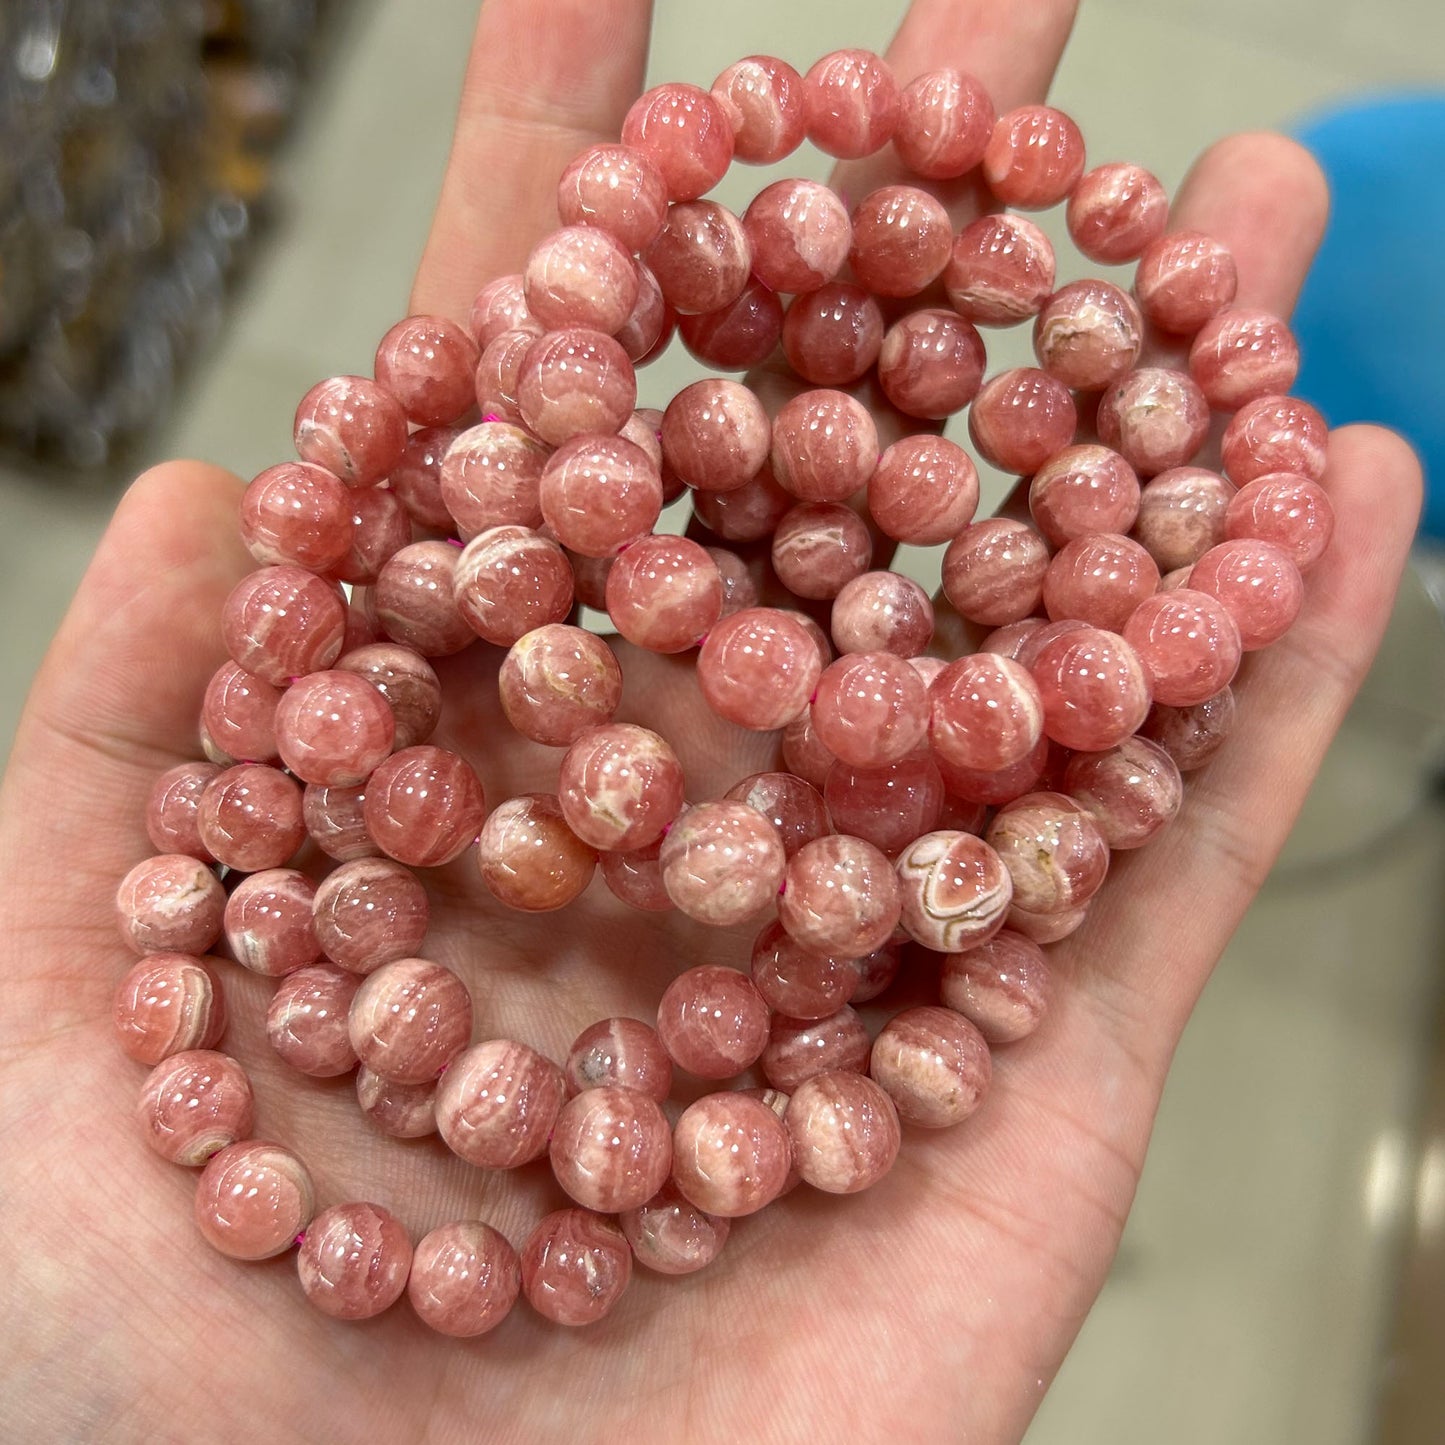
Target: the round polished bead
pixel 844 1130
pixel 664 593
pixel 173 809
pixel 945 119
pixel 649 326
pixel 741 334
pixel 685 133
pixel 410 1019
pixel 253 1199
pixel 635 877
pixel 1241 355
pixel 1131 791
pixel 924 490
pixel 1274 434
pixel 1099 579
pixel 501 305
pixel 557 682
pixel 934 1065
pixel 1034 157
pixel 510 581
pixel 1191 735
pixel 498 374
pixel 992 787
pixel 529 858
pixel 819 547
pixel 618 190
pixel 1115 211
pixel 799 234
pixel 793 806
pixel 882 612
pixel 722 863
pixel 1021 418
pixel 1094 688
pixel 850 103
pixel 599 494
pixel 1002 986
pixel 497 1102
pixel 1183 279
pixel 889 806
pixel 622 1053
pixel 877 970
pixel 840 896
pixel 1257 583
pixel 416 600
pixel 573 381
pixel 369 912
pixel 405 1111
pixel 491 477
pixel 799 1049
pixel 1052 849
pixel 870 709
pixel 797 982
pixel 1045 928
pixel 354 1261
pixel 268 922
pixel 296 515
pixel 194 1104
pixel 731 1155
pixel 1088 335
pixel 758 668
pixel 334 728
pixel 833 335
pixel 408 683
pixel 985 713
pixel 712 1021
pixel 825 446
pixel 902 239
pixel 611 1148
pixel 1182 515
pixel 427 363
pixel 764 98
pixel 931 364
pixel 167 1004
pixel 575 1266
pixel 306 1020
pixel 580 276
pixel 1189 645
pixel 702 257
pixel 716 435
pixel 282 622
pixel 1154 418
pixel 1081 490
pixel 424 806
pixel 250 818
pixel 953 889
pixel 993 572
pixel 380 528
pixel 352 427
pixel 620 786
pixel 1000 272
pixel 464 1279
pixel 803 752
pixel 671 1235
pixel 1291 511
pixel 171 903
pixel 335 820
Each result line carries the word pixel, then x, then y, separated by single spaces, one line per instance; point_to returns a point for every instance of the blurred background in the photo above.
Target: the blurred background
pixel 206 207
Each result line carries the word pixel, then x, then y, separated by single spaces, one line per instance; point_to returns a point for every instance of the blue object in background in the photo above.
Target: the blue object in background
pixel 1371 319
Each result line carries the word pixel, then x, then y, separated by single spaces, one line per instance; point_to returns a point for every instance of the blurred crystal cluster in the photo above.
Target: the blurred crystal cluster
pixel 135 143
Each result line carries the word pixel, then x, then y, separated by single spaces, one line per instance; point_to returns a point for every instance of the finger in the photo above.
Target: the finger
pixel 542 83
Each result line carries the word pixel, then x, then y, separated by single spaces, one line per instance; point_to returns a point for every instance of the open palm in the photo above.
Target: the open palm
pixel 937 1305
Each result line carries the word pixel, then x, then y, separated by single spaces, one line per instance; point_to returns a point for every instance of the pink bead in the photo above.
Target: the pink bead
pixel 764 97
pixel 712 1021
pixel 1154 418
pixel 334 728
pixel 380 528
pixel 1094 689
pixel 1045 928
pixel 501 306
pixel 825 446
pixel 556 682
pixel 167 1004
pixel 464 1279
pixel 611 1149
pixel 796 981
pixel 924 490
pixel 497 1103
pixel 194 1104
pixel 1274 434
pixel 405 1111
pixel 370 912
pixel 268 922
pixel 250 819
pixel 529 858
pixel 1053 851
pixel 352 427
pixel 902 239
pixel 1001 270
pixel 645 333
pixel 803 751
pixel 621 1053
pixel 833 335
pixel 851 103
pixel 296 515
pixel 1034 157
pixel 354 1261
pixel 882 612
pixel 336 822
pixel 722 863
pixel 799 235
pixel 575 1264
pixel 492 477
pixel 840 896
pixel 1258 584
pixel 427 363
pixel 635 877
pixel 931 364
pixel 1002 986
pixel 794 807
pixel 739 335
pixel 572 381
pixel 599 494
pixel 1115 211
pixel 815 633
pixel 685 133
pixel 282 622
pixel 934 1065
pixel 953 889
pixel 986 713
pixel 669 1235
pixel 992 787
pixel 664 594
pixel 758 669
pixel 888 807
pixel 1083 490
pixel 731 1155
pixel 1021 418
pixel 253 1199
pixel 1188 643
pixel 580 276
pixel 844 1131
pixel 1239 356
pixel 510 581
pixel 1099 579
pixel 701 258
pixel 1288 510
pixel 416 603
pixel 1191 735
pixel 406 681
pixel 1183 279
pixel 800 1049
pixel 306 1020
pixel 499 371
pixel 1131 792
pixel 416 478
pixel 410 1019
pixel 740 589
pixel 819 547
pixel 1182 515
pixel 993 572
pixel 877 970
pixel 945 118
pixel 870 709
pixel 644 429
pixel 424 806
pixel 362 626
pixel 173 809
pixel 620 786
pixel 238 713
pixel 716 435
pixel 1088 335
pixel 616 189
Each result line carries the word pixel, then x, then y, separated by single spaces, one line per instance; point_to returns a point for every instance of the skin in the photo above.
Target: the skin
pixel 988 1243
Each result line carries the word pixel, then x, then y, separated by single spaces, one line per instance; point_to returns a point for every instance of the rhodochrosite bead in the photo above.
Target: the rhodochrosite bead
pixel 1154 418
pixel 1083 489
pixel 498 373
pixel 1002 986
pixel 268 922
pixel 763 97
pixel 167 1004
pixel 730 1155
pixel 497 1103
pixel 832 336
pixel 253 1199
pixel 840 895
pixel 557 682
pixel 671 1235
pixel 685 133
pixel 1274 434
pixel 635 877
pixel 1240 355
pixel 1188 643
pixel 850 103
pixel 888 807
pixel 803 753
pixel 1257 583
pixel 985 713
pixel 335 820
pixel 870 709
pixel 924 490
pixel 953 889
pixel 354 1261
pixel 621 1052
pixel 796 981
pixel 1088 335
pixel 510 580
pixel 1290 511
pixel 296 515
pixel 464 1279
pixel 1115 211
pixel 1034 157
pixel 701 257
pixel 369 912
pixel 580 276
pixel 575 1266
pixel 746 514
pixel 529 858
pixel 825 446
pixel 194 1104
pixel 1182 515
pixel 799 233
pixel 491 476
pixel 819 547
pixel 1021 418
pixel 934 1065
pixel 877 970
pixel 1099 579
pixel 380 528
pixel 1094 689
pixel 758 668
pixel 173 810
pixel 424 806
pixel 793 806
pixel 1000 272
pixel 333 728
pixel 800 1048
pixel 712 1021
pixel 945 118
pixel 171 903
pixel 716 435
pixel 722 863
pixel 416 601
pixel 649 325
pixel 427 364
pixel 1183 279
pixel 573 381
pixel 620 786
pixel 1053 850
pixel 616 189
pixel 882 612
pixel 611 1148
pixel 1047 927
pixel 902 239
pixel 410 1019
pixel 352 427
pixel 501 306
pixel 993 571
pixel 407 682
pixel 600 494
pixel 844 1131
pixel 736 336
pixel 931 363
pixel 1131 791
pixel 282 622
pixel 405 1111
pixel 1191 735
pixel 306 1020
